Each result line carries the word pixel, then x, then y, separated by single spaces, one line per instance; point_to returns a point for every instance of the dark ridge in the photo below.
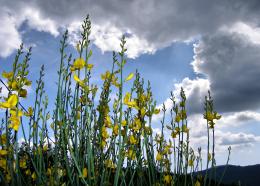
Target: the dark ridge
pixel 236 175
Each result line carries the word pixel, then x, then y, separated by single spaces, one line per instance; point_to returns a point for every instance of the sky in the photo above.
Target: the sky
pixel 198 45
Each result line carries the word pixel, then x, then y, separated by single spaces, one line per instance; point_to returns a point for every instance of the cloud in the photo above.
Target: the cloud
pixel 238 119
pixel 12 19
pixel 195 91
pixel 231 64
pixel 9 35
pixel 173 21
pixel 107 37
pixel 236 139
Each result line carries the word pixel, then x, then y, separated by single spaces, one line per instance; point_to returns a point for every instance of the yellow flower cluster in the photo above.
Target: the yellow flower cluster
pixel 210 117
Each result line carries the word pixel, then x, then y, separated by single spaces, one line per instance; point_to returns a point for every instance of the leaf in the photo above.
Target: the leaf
pixel 129 77
pixel 89 54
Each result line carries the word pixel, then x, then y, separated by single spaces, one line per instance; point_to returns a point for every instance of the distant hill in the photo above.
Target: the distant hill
pixel 245 175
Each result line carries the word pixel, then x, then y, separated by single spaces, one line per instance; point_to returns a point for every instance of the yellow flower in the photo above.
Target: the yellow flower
pixel 137 125
pixel 22 163
pixel 209 157
pixel 108 122
pixel 217 116
pixel 3 138
pixel 177 118
pixel 104 133
pixel 124 123
pixel 109 163
pixel 209 116
pixel 156 111
pixel 191 161
pixel 143 112
pixel 48 171
pixel 3 163
pixel 127 97
pixel 132 140
pixel 80 82
pixel 131 154
pixel 22 93
pixel 78 64
pixel 3 152
pixel 129 77
pixel 131 104
pixel 15 119
pixel 167 179
pixel 90 66
pixel 148 130
pixel 45 148
pixel 14 85
pixel 103 144
pixel 115 130
pixel 85 172
pixel 174 134
pixel 27 82
pixel 34 176
pixel 106 75
pixel 11 102
pixel 28 172
pixel 7 75
pixel 197 183
pixel 185 128
pixel 29 113
pixel 8 177
pixel 158 157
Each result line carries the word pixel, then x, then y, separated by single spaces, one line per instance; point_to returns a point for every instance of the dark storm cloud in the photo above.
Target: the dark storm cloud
pixel 231 63
pixel 159 22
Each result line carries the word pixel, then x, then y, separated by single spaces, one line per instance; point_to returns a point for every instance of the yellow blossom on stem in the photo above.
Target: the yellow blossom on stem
pixel 137 125
pixel 8 177
pixel 3 163
pixel 191 162
pixel 129 77
pixel 3 138
pixel 22 163
pixel 78 64
pixel 132 140
pixel 11 102
pixel 104 133
pixel 22 93
pixel 3 152
pixel 158 157
pixel 109 163
pixel 115 130
pixel 197 183
pixel 15 119
pixel 124 123
pixel 28 172
pixel 29 113
pixel 7 75
pixel 156 111
pixel 84 172
pixel 34 176
pixel 80 82
pixel 131 154
pixel 167 179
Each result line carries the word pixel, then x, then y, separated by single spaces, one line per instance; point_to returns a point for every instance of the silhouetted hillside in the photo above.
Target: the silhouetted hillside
pixel 238 175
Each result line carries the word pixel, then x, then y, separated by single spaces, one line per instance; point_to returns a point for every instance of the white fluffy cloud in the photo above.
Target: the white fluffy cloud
pixel 11 21
pixel 107 37
pixel 9 35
